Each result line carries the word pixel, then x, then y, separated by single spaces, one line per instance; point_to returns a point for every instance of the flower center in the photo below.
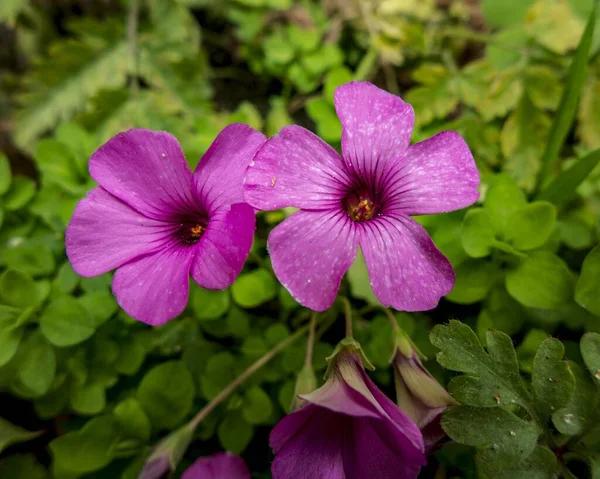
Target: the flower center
pixel 190 234
pixel 360 208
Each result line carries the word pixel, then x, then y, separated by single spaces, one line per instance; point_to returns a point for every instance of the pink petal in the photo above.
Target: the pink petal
pixel 310 252
pixel 315 451
pixel 295 168
pixel 406 270
pixel 224 247
pixel 223 465
pixel 146 170
pixel 218 179
pixel 154 288
pixel 434 176
pixel 376 126
pixel 105 233
pixel 337 396
pixel 368 454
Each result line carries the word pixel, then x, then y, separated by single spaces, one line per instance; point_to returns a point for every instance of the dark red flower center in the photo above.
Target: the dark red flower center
pixel 189 234
pixel 359 208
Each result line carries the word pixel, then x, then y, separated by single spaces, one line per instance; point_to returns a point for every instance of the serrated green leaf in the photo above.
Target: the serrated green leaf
pixel 568 105
pixel 552 381
pixel 542 280
pixel 166 394
pixel 564 187
pixel 497 371
pixel 530 226
pixel 478 233
pixel 586 290
pixel 504 438
pixel 590 350
pixel 11 434
pixel 575 417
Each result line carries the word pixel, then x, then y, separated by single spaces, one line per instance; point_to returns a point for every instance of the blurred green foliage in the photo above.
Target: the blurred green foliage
pixel 105 388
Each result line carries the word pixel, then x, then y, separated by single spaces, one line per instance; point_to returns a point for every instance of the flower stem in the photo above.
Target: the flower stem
pixel 392 319
pixel 367 64
pixel 311 340
pixel 233 385
pixel 348 316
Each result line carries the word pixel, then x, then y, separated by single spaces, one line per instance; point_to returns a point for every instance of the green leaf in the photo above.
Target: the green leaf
pixel 66 322
pixel 504 438
pixel 80 143
pixel 540 464
pixel 88 449
pixel 11 434
pixel 502 199
pixel 254 288
pixel 358 277
pixel 133 420
pixel 57 165
pixel 21 192
pixel 565 114
pixel 552 381
pixel 257 407
pixel 22 466
pixel 38 364
pixel 219 372
pixel 10 338
pixel 564 187
pixel 323 114
pixel 474 279
pixel 88 399
pixel 17 289
pixel 541 280
pixel 586 290
pixel 166 394
pixel 131 356
pixel 209 304
pixel 478 233
pixel 234 432
pixel 278 116
pixel 578 414
pixel 66 279
pixel 530 226
pixel 5 174
pixel 505 13
pixel 492 378
pixel 100 304
pixel 335 78
pixel 590 350
pixel 32 258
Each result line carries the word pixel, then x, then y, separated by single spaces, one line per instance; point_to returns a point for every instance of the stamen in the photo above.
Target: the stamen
pixel 190 234
pixel 360 209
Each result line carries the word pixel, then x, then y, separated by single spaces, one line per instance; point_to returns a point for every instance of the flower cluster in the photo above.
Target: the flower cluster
pixel 157 224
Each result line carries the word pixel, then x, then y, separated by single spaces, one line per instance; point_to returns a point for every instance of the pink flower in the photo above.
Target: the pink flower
pixel 418 393
pixel 348 429
pixel 158 223
pixel 222 465
pixel 362 198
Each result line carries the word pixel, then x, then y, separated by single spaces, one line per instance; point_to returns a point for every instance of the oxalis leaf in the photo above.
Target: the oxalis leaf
pixel 504 439
pixel 492 378
pixel 568 104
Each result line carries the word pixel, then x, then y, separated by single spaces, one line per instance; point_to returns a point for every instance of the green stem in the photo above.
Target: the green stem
pixel 366 65
pixel 311 340
pixel 237 382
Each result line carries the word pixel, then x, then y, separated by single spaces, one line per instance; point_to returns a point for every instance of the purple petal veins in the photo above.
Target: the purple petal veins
pixel 157 223
pixel 363 197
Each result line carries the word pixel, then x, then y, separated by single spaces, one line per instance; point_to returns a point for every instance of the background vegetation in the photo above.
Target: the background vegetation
pixel 99 389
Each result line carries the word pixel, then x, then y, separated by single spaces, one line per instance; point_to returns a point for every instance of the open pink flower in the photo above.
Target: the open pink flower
pixel 348 429
pixel 363 197
pixel 222 465
pixel 158 223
